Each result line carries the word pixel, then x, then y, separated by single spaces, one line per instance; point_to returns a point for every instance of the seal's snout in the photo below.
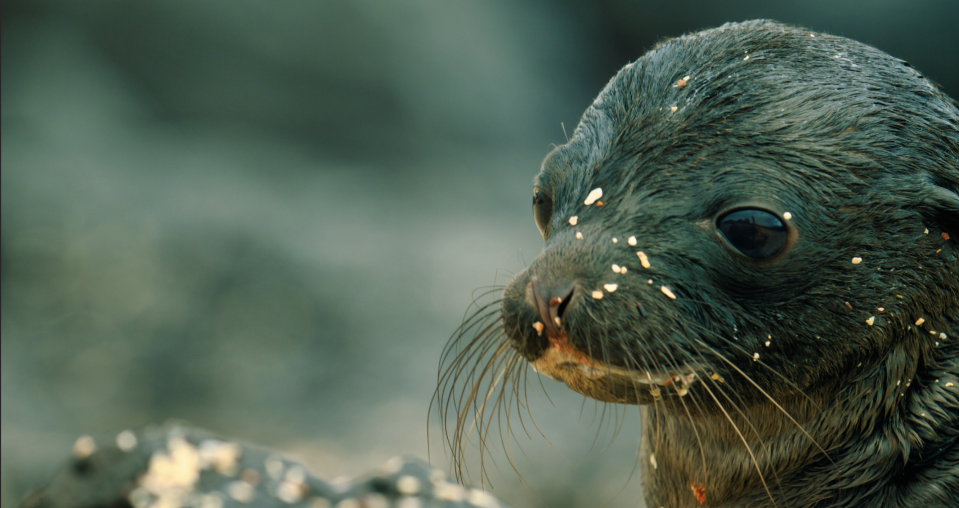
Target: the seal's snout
pixel 552 300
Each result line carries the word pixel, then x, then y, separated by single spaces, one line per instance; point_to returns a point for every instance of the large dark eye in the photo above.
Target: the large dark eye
pixel 542 210
pixel 757 234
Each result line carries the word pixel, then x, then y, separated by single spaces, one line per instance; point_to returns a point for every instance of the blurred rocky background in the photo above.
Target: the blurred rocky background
pixel 266 218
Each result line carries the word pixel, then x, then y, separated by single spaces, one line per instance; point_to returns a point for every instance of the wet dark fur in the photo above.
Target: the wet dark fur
pixel 864 153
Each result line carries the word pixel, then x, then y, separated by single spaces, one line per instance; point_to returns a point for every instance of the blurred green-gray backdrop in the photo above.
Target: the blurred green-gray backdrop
pixel 266 218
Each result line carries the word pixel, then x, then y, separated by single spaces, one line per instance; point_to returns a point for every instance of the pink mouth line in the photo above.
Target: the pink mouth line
pixel 561 360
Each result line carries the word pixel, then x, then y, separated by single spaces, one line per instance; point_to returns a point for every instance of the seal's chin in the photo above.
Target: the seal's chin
pixel 610 383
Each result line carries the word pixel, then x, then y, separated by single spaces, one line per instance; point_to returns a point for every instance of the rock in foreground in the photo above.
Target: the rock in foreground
pixel 176 466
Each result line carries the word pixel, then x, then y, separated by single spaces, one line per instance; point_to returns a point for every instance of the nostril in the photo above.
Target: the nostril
pixel 562 303
pixel 552 302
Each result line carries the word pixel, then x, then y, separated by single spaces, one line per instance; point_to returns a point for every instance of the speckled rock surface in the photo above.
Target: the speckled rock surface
pixel 176 466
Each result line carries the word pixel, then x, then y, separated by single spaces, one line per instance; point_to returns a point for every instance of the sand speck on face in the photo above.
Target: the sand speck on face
pixel 643 259
pixel 593 196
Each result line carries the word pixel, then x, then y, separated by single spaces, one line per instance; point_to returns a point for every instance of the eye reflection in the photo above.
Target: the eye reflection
pixel 757 234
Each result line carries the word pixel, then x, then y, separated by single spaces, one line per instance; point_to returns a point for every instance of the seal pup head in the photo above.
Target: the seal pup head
pixel 741 201
pixel 745 217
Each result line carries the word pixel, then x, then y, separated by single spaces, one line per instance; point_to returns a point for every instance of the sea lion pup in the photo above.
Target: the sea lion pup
pixel 752 232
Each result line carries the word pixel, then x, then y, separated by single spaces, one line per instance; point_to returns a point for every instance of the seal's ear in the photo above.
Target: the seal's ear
pixel 942 206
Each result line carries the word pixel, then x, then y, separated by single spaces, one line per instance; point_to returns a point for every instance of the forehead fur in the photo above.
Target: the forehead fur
pixel 840 107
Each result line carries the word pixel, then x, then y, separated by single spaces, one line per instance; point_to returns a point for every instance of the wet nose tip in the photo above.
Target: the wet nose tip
pixel 552 302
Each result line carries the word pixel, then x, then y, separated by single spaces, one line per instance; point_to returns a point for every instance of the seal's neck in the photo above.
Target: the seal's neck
pixel 895 421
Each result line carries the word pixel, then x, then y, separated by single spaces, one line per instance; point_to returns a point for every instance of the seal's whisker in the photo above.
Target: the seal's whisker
pixel 491 366
pixel 654 409
pixel 519 393
pixel 486 291
pixel 606 343
pixel 490 341
pixel 759 362
pixel 514 371
pixel 486 337
pixel 699 439
pixel 530 414
pixel 482 420
pixel 479 408
pixel 769 397
pixel 460 377
pixel 500 272
pixel 490 333
pixel 456 371
pixel 479 315
pixel 503 402
pixel 646 368
pixel 447 390
pixel 728 398
pixel 471 384
pixel 606 360
pixel 478 318
pixel 762 444
pixel 692 422
pixel 522 371
pixel 741 438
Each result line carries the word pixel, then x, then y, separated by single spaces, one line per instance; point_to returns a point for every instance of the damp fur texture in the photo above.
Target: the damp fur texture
pixel 860 155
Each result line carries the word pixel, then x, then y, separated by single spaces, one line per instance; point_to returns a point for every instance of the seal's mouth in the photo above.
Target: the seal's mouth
pixel 562 362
